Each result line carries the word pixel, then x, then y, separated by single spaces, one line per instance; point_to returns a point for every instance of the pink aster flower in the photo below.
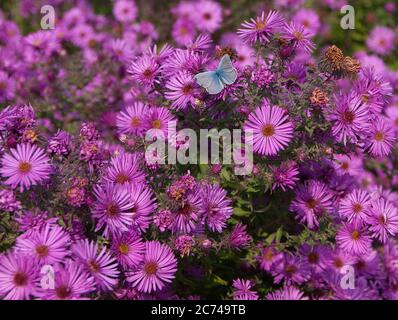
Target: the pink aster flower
pixel 157 121
pixel 286 293
pixel 285 176
pixel 291 270
pixel 242 290
pixel 298 36
pixel 7 87
pixel 144 205
pixel 27 165
pixel 99 263
pixel 47 246
pixel 349 118
pixel 354 238
pixel 208 15
pixel 71 282
pixel 187 215
pixel 216 207
pixel 128 249
pixel 262 28
pixel 183 31
pixel 130 120
pixel 312 200
pixel 268 257
pixel 239 238
pixel 355 206
pixel 272 130
pixel 309 19
pixel 157 268
pixel 125 11
pixel 380 137
pixel 124 169
pixel 19 277
pixel 381 40
pixel 180 89
pixel 145 70
pixel 113 209
pixel 383 218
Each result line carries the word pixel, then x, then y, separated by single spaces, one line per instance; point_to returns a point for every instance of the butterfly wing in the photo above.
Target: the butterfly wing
pixel 210 81
pixel 226 70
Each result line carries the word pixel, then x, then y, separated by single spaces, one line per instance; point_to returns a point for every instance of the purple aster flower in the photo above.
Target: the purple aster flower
pixel 208 15
pixel 354 238
pixel 187 215
pixel 130 120
pixel 362 290
pixel 337 259
pixel 144 205
pixel 71 282
pixel 183 31
pixel 99 263
pixel 286 293
pixel 19 277
pixel 349 118
pixel 216 207
pixel 181 90
pixel 390 261
pixel 185 60
pixel 60 143
pixel 348 164
pixel 27 165
pixel 124 169
pixel 113 209
pixel 33 221
pixel 7 87
pixel 125 11
pixel 374 90
pixel 121 51
pixel 262 28
pixel 262 76
pixel 383 218
pixel 88 132
pixel 184 244
pixel 298 36
pixel 315 257
pixel 284 176
pixel 47 246
pixel 239 238
pixel 380 137
pixel 242 290
pixel 163 219
pixel 355 206
pixel 157 121
pixel 7 117
pixel 128 249
pixel 268 257
pixel 312 200
pixel 8 202
pixel 145 70
pixel 381 40
pixel 157 268
pixel 309 19
pixel 272 130
pixel 392 115
pixel 290 269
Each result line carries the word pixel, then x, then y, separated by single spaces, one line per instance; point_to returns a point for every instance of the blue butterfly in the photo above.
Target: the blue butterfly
pixel 215 81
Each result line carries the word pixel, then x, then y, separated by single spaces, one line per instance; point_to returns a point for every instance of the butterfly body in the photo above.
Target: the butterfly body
pixel 215 81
